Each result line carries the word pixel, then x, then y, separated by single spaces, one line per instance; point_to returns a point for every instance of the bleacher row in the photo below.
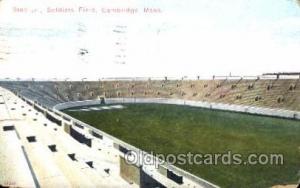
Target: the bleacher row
pixel 271 93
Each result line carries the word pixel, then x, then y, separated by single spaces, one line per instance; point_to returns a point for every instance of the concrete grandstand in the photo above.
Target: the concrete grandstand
pixel 261 91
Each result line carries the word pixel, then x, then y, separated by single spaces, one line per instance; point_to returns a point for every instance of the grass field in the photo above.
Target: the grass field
pixel 180 129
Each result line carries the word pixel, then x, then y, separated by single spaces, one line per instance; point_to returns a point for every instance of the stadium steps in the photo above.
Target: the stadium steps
pixel 84 154
pixel 292 97
pixel 15 170
pixel 47 172
pixel 48 89
pixel 48 138
pixel 72 173
pixel 222 94
pixel 187 89
pixel 271 95
pixel 248 95
pixel 231 95
pixel 44 94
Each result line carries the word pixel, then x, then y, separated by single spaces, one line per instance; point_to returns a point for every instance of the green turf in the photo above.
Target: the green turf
pixel 180 129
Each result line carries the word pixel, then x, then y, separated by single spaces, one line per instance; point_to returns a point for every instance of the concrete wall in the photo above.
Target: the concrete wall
pixel 217 106
pixel 75 104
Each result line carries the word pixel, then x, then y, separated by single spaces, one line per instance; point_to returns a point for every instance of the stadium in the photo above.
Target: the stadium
pixel 149 94
pixel 242 115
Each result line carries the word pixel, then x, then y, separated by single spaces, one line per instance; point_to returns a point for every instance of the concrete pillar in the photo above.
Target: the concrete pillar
pixel 162 170
pixel 135 174
pixel 67 128
pixel 129 172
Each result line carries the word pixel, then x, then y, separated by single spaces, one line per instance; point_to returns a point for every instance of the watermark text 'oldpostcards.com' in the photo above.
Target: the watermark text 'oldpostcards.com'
pixel 227 158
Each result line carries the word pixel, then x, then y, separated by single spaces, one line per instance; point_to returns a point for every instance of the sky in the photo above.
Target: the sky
pixel 182 38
